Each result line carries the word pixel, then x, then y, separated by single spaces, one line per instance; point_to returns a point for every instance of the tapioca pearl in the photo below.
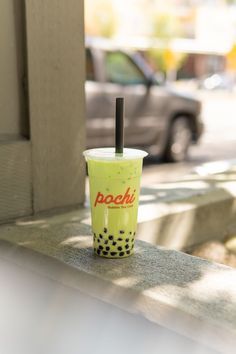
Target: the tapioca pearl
pixel 128 252
pixel 98 252
pixel 130 232
pixel 120 239
pixel 110 237
pixel 100 247
pixel 107 248
pixel 100 235
pixel 114 243
pixel 121 254
pixel 105 253
pixel 94 234
pixel 132 246
pixel 132 240
pixel 113 253
pixel 134 233
pixel 105 242
pixel 127 240
pixel 119 248
pixel 105 230
pixel 98 240
pixel 127 246
pixel 121 231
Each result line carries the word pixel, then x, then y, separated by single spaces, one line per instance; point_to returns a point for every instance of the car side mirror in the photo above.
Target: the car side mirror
pixel 160 78
pixel 157 79
pixel 150 82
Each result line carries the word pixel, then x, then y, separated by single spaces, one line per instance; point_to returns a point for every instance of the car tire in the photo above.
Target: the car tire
pixel 179 140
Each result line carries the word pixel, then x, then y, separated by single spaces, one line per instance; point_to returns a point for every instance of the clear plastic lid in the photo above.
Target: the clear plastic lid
pixel 110 155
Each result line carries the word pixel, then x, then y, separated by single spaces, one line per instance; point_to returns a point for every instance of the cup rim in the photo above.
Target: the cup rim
pixel 109 154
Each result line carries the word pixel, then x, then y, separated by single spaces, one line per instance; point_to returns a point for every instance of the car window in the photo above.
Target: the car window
pixel 122 70
pixel 90 75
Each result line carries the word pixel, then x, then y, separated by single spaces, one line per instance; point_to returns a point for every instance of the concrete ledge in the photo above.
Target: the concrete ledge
pixel 188 212
pixel 186 294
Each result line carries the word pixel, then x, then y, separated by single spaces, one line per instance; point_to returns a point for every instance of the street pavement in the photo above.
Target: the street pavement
pixel 217 143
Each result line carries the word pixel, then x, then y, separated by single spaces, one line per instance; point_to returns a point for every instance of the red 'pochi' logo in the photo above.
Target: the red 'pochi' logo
pixel 118 199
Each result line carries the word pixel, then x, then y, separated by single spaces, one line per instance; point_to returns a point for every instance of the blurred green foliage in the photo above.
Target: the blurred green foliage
pixel 165 26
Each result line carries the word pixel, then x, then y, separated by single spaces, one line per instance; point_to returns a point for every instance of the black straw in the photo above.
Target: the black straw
pixel 119 125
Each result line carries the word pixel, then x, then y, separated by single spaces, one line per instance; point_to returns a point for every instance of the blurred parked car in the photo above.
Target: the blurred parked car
pixel 157 119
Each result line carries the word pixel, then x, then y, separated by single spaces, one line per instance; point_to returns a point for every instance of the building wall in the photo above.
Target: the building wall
pixel 42 106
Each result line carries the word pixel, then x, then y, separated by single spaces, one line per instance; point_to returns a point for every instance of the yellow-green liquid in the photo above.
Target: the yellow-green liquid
pixel 114 193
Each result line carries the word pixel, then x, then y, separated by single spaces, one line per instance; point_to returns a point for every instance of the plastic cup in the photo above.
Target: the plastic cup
pixel 114 181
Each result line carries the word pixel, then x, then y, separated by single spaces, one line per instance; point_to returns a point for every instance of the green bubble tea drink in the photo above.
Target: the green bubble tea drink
pixel 114 181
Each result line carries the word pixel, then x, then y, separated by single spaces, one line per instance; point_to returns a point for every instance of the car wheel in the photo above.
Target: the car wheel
pixel 179 140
